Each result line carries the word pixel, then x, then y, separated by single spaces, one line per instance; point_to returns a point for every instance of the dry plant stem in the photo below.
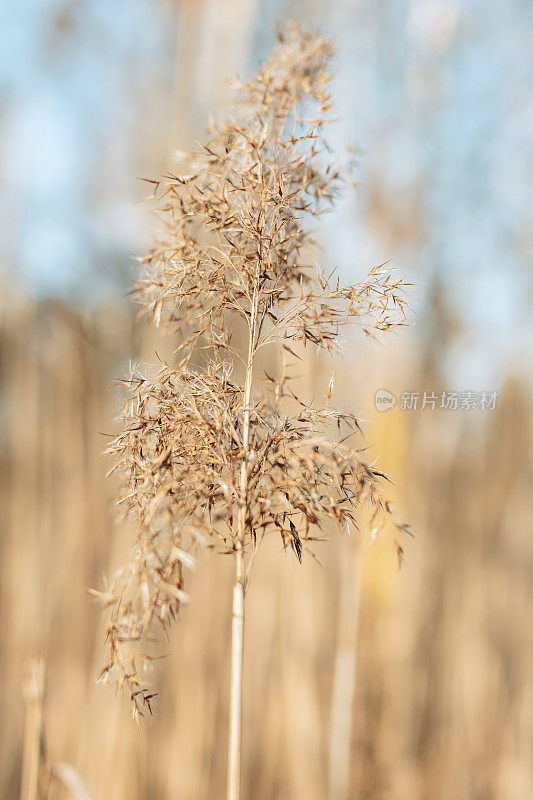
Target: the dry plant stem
pixel 237 648
pixel 204 464
pixel 31 759
pixel 344 676
pixel 237 631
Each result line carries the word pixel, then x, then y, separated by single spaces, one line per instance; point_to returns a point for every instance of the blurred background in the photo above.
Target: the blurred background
pixel 362 681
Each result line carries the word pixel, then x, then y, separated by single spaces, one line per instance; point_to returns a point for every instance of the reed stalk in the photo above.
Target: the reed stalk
pixel 209 458
pixel 239 588
pixel 34 687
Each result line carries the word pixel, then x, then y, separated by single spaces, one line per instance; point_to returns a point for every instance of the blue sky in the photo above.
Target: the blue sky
pixel 436 94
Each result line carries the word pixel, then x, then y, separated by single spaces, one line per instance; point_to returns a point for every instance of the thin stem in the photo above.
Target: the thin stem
pixel 341 723
pixel 237 648
pixel 237 628
pixel 31 761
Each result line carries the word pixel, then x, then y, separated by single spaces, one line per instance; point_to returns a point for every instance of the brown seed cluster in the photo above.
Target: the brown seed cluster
pixel 207 459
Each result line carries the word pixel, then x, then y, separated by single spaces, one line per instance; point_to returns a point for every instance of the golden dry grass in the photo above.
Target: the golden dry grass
pixel 212 453
pixel 417 684
pixel 443 697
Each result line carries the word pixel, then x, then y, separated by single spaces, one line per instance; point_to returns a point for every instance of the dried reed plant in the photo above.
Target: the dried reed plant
pixel 39 773
pixel 207 458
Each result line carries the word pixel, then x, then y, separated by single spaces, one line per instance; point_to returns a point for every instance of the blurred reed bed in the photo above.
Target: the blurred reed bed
pixel 438 656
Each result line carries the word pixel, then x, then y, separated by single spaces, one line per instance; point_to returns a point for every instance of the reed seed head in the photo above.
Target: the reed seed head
pixel 234 256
